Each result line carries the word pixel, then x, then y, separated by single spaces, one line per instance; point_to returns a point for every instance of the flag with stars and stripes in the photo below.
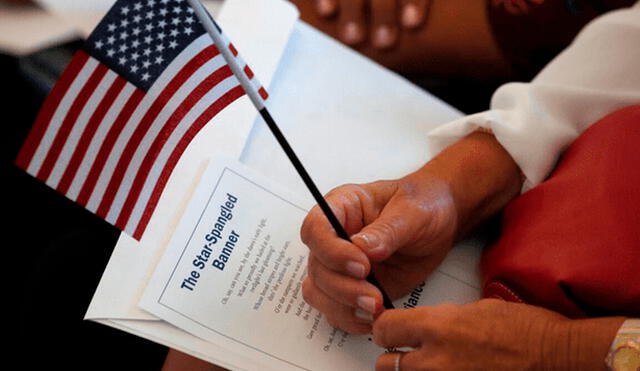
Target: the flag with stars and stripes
pixel 115 124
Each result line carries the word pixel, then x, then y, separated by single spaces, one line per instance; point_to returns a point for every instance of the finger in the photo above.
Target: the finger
pixel 338 315
pixel 398 224
pixel 387 361
pixel 414 360
pixel 346 290
pixel 352 22
pixel 333 252
pixel 384 28
pixel 316 223
pixel 349 203
pixel 399 328
pixel 414 13
pixel 513 7
pixel 326 8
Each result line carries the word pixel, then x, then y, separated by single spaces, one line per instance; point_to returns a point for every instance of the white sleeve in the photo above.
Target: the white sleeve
pixel 597 74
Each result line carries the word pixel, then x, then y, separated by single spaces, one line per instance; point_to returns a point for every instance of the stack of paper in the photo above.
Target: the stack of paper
pixel 218 271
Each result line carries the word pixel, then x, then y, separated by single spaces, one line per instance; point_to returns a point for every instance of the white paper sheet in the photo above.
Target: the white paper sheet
pixel 348 119
pixel 133 261
pixel 233 273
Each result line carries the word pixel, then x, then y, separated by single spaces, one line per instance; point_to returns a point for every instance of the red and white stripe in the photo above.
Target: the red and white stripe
pixel 110 146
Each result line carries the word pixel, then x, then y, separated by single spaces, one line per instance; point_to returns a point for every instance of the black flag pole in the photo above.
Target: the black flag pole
pixel 335 223
pixel 216 34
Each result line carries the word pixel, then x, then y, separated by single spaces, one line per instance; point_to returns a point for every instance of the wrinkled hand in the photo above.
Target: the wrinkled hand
pixel 487 335
pixel 400 229
pixel 382 19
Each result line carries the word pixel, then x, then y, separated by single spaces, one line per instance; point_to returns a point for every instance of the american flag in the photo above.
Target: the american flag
pixel 114 126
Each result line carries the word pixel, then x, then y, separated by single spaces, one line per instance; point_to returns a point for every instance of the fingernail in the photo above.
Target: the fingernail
pixel 367 303
pixel 372 243
pixel 325 7
pixel 383 37
pixel 363 315
pixel 352 33
pixel 410 15
pixel 355 269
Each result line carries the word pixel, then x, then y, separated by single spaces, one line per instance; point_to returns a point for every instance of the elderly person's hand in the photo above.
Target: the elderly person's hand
pixel 492 335
pixel 401 229
pixel 379 20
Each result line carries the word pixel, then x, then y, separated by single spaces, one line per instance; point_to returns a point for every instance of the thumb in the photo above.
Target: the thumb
pixel 398 224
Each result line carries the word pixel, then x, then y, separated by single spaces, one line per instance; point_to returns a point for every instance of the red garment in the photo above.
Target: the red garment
pixel 572 244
